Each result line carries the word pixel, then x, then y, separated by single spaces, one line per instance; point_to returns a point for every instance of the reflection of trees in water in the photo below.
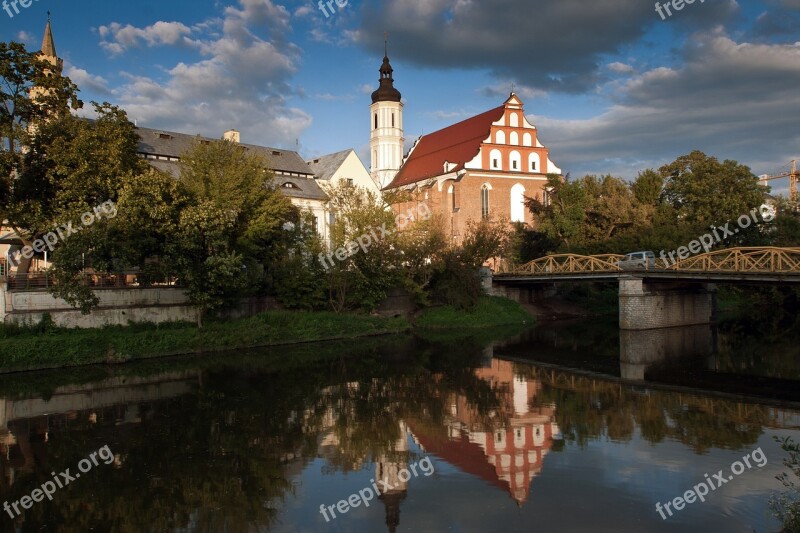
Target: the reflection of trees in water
pixel 589 409
pixel 223 459
pixel 764 344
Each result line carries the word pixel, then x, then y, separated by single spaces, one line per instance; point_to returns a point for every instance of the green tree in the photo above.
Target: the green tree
pixel 235 219
pixel 21 71
pixel 563 217
pixel 71 167
pixel 365 260
pixel 705 191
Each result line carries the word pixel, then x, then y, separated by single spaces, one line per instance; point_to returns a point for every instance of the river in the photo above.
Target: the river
pixel 570 426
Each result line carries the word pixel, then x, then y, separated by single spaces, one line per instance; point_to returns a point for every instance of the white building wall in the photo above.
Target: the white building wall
pixel 352 168
pixel 386 141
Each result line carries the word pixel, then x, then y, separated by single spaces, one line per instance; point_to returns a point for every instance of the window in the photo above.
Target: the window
pixel 376 121
pixel 452 192
pixel 350 181
pixel 485 201
pixel 534 162
pixel 518 203
pixel 275 152
pixel 393 120
pixel 546 198
pixel 315 223
pixel 495 156
pixel 516 160
pixel 290 185
pixel 514 165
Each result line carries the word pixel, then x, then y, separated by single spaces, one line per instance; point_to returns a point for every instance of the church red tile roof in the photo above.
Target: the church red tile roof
pixel 457 144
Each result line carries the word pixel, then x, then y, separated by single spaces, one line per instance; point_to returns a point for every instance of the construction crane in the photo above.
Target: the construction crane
pixel 792 175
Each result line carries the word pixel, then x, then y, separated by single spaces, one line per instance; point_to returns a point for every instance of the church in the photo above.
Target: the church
pixel 481 168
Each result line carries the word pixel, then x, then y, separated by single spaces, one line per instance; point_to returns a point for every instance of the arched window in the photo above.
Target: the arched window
pixel 534 164
pixel 485 200
pixel 495 160
pixel 514 121
pixel 527 140
pixel 513 139
pixel 518 203
pixel 452 192
pixel 515 161
pixel 500 137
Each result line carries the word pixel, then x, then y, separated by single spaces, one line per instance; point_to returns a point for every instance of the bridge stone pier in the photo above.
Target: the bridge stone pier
pixel 639 350
pixel 652 305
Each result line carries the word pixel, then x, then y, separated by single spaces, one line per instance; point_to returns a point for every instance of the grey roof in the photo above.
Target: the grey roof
pixel 325 166
pixel 173 144
pixel 170 167
pixel 305 188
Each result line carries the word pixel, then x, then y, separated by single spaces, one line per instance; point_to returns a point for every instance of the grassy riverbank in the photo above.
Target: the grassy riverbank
pixel 45 346
pixel 49 347
pixel 490 312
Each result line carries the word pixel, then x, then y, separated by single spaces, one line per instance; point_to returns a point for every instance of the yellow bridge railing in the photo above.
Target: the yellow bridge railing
pixel 756 260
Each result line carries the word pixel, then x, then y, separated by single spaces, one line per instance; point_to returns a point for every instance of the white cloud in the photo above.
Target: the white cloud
pixel 620 68
pixel 84 80
pixel 127 36
pixel 25 38
pixel 728 99
pixel 240 79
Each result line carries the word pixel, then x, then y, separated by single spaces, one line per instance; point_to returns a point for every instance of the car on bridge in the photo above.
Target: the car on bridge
pixel 638 260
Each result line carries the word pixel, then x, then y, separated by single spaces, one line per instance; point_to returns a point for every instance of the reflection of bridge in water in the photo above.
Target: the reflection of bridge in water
pixel 667 295
pixel 683 359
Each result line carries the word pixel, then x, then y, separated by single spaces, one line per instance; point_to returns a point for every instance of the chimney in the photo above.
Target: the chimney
pixel 232 136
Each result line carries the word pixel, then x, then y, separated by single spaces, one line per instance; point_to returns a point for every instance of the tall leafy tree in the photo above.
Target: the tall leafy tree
pixel 20 72
pixel 234 220
pixel 705 191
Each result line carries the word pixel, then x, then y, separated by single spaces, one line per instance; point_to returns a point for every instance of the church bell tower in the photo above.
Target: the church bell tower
pixel 386 126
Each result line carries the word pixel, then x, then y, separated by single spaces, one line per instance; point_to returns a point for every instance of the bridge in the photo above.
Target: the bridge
pixel 667 294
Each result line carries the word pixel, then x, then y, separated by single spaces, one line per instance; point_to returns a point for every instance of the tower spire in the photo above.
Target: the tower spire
pixel 48 44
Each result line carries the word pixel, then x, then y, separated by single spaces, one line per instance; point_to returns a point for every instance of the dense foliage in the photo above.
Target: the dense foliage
pixel 661 209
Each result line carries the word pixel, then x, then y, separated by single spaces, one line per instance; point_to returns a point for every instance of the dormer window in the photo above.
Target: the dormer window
pixel 165 136
pixel 275 152
pixel 290 185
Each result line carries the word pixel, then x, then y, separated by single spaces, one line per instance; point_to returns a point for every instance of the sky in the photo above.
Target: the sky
pixel 612 86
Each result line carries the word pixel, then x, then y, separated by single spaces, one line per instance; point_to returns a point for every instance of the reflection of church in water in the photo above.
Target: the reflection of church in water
pixel 506 452
pixel 505 447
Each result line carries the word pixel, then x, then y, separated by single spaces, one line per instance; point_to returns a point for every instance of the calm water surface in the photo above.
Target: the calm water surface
pixel 566 427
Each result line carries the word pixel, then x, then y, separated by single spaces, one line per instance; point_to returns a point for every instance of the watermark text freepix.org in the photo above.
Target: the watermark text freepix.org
pixel 105 210
pixel 421 212
pixel 9 4
pixel 61 480
pixel 718 234
pixel 329 3
pixel 701 490
pixel 677 5
pixel 368 494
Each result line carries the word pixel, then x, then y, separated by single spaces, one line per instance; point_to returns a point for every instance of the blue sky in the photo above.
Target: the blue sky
pixel 611 86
